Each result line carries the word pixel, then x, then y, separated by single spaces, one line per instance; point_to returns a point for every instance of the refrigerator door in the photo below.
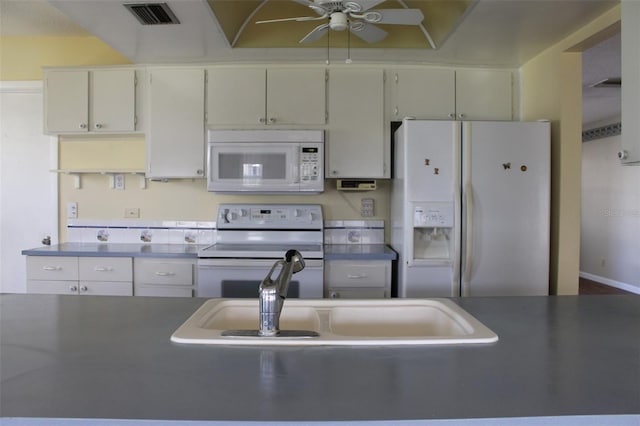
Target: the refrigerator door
pixel 506 202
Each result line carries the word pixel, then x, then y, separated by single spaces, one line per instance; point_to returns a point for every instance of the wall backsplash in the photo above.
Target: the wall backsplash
pixel 132 231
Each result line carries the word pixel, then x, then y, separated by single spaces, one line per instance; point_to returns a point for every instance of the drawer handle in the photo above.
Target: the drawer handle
pixel 165 274
pixel 73 288
pixel 83 289
pixel 103 269
pixel 356 277
pixel 52 268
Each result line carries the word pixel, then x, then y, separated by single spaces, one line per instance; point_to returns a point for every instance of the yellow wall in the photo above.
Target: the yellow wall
pixel 552 89
pixel 22 58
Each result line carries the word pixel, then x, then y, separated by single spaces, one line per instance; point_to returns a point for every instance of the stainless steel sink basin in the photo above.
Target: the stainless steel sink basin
pixel 338 322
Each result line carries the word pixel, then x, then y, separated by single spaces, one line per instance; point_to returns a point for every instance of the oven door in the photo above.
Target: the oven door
pixel 241 278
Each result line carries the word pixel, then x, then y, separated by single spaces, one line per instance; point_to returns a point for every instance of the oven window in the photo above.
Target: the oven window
pixel 252 166
pixel 249 289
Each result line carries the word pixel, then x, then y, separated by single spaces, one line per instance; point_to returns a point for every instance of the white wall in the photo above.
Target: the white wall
pixel 610 230
pixel 28 191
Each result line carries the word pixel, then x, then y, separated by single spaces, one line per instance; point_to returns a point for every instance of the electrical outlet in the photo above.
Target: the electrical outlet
pixel 118 181
pixel 72 210
pixel 132 212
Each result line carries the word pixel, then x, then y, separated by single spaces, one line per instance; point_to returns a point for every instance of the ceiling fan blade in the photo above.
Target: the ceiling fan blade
pixel 316 7
pixel 394 16
pixel 315 34
pixel 366 4
pixel 367 32
pixel 299 19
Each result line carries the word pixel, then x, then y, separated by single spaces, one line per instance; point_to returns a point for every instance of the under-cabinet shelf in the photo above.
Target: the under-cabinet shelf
pixel 111 173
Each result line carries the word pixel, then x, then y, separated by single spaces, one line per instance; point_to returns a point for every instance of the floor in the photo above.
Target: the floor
pixel 591 287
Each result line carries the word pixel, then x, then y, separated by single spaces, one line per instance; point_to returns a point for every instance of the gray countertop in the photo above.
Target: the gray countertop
pixel 117 250
pixel 110 357
pixel 332 251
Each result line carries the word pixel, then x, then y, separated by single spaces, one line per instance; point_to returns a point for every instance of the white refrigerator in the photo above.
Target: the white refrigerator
pixel 470 208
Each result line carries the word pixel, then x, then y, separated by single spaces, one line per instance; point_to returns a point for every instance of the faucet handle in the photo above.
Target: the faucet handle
pixel 297 259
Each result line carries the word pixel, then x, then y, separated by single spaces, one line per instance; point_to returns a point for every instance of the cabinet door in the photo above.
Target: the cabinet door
pixel 296 96
pixel 113 101
pixel 236 96
pixel 176 135
pixel 105 288
pixel 484 94
pixel 66 98
pixel 426 93
pixel 52 287
pixel 356 142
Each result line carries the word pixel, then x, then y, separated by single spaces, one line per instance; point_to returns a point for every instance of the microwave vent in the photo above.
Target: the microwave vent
pixel 152 13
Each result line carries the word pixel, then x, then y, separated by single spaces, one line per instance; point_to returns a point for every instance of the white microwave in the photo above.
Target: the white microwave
pixel 267 161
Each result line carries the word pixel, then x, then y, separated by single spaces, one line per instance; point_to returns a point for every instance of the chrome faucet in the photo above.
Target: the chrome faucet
pixel 273 293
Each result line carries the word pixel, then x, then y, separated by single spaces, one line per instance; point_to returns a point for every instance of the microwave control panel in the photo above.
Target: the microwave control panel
pixel 310 162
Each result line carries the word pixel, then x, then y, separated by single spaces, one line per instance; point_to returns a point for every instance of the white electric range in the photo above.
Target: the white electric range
pixel 250 238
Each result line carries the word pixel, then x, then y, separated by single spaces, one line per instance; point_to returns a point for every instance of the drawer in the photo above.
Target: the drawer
pixel 164 272
pixel 357 293
pixel 105 269
pixel 52 287
pixel 163 291
pixel 52 268
pixel 105 288
pixel 339 273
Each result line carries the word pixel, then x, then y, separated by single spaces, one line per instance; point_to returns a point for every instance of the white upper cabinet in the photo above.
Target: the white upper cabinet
pixel 175 133
pixel 446 94
pixel 423 93
pixel 484 94
pixel 258 96
pixel 356 145
pixel 81 101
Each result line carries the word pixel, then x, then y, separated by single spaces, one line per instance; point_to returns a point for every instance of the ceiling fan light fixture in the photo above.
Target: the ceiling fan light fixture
pixel 338 21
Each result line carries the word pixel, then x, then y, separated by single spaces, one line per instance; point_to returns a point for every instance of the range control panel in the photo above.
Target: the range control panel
pixel 269 216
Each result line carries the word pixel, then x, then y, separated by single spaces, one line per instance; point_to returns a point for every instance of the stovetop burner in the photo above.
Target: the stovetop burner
pixel 267 231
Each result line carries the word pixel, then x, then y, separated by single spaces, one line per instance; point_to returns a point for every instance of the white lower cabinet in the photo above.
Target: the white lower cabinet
pixel 105 276
pixel 164 277
pixel 351 279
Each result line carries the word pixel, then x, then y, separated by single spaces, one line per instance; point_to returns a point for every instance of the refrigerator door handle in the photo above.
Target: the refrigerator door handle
pixel 468 258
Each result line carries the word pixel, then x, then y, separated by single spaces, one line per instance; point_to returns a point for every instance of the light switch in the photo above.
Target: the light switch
pixel 367 207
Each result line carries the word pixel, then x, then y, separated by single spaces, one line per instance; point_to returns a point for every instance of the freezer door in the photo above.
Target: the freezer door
pixel 506 202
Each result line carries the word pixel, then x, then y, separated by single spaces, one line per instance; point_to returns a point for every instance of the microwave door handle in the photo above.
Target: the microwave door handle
pixel 296 166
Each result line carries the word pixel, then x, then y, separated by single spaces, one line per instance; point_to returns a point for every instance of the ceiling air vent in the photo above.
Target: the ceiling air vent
pixel 152 13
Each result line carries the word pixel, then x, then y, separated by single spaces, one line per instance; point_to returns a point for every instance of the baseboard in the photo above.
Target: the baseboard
pixel 610 282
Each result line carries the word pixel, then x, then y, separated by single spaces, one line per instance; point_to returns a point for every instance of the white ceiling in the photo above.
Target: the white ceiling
pixel 503 33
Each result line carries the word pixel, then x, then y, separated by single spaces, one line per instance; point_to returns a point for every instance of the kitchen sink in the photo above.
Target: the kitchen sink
pixel 336 322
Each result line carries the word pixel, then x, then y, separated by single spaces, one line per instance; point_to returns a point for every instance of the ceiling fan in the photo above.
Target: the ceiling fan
pixel 354 15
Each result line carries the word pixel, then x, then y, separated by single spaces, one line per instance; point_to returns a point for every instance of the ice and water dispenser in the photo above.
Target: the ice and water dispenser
pixel 433 231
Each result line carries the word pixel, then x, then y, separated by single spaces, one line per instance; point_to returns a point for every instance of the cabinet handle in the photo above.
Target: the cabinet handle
pixel 356 276
pixel 103 269
pixel 261 120
pixel 395 111
pixel 199 172
pixel 98 126
pixel 52 268
pixel 83 125
pixel 165 274
pixel 272 120
pixel 461 116
pixel 73 289
pixel 452 115
pixel 334 172
pixel 334 295
pixel 623 155
pixel 83 289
